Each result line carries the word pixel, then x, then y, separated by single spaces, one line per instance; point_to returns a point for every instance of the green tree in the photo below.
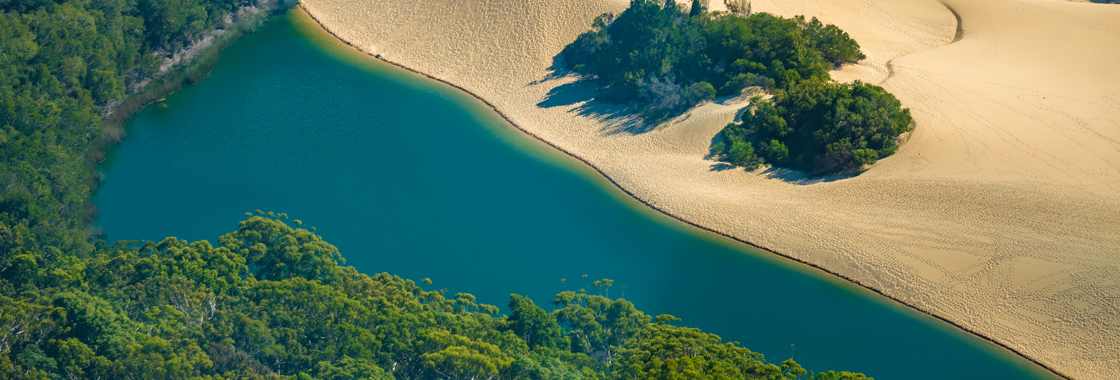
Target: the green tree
pixel 148 310
pixel 824 126
pixel 463 358
pixel 273 250
pixel 696 9
pixel 699 92
pixel 598 326
pixel 662 351
pixel 535 326
pixel 742 154
pixel 777 153
pixel 865 156
pixel 349 369
pixel 832 375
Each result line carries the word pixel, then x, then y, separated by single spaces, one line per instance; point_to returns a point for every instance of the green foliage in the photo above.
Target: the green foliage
pixel 269 301
pixel 347 368
pixel 834 44
pixel 821 127
pixel 698 92
pixel 668 352
pixel 540 367
pixel 865 156
pixel 274 251
pixel 832 375
pixel 735 150
pixel 272 301
pixel 534 325
pixel 70 72
pixel 459 357
pixel 742 154
pixel 664 61
pixel 777 153
pixel 598 326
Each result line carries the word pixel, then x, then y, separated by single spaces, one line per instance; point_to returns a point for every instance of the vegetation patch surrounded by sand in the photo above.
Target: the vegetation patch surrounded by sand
pixel 1001 212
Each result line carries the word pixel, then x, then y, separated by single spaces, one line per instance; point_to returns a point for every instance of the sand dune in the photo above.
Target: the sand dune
pixel 1001 212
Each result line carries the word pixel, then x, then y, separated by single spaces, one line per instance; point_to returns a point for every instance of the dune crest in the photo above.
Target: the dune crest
pixel 1000 213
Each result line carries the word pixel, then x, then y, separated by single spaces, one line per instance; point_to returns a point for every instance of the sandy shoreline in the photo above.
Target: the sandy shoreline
pixel 1012 247
pixel 654 207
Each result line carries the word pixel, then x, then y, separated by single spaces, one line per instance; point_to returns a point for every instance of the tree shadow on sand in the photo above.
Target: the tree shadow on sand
pixel 791 176
pixel 583 94
pixel 798 177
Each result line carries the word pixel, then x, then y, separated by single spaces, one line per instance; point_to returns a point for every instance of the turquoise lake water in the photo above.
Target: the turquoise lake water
pixel 408 176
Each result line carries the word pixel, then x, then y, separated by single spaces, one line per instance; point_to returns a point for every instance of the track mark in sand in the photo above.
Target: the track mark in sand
pixel 956 37
pixel 960 29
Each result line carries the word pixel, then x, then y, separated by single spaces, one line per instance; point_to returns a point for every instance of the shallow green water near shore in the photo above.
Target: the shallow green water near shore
pixel 411 177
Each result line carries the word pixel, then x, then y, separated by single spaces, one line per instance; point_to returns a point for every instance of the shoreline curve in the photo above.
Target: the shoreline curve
pixel 301 8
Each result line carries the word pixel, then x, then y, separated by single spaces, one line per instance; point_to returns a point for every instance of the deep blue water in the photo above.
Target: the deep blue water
pixel 408 176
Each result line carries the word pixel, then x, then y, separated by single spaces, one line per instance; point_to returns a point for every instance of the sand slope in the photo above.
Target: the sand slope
pixel 1001 212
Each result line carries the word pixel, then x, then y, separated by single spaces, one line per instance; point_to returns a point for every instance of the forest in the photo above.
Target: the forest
pixel 71 72
pixel 269 300
pixel 272 301
pixel 663 60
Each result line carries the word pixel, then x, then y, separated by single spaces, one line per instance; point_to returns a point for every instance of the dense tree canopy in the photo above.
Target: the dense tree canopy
pixel 664 59
pixel 817 126
pixel 179 310
pixel 65 67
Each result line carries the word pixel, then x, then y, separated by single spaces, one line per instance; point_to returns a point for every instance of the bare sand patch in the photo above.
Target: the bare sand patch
pixel 1013 170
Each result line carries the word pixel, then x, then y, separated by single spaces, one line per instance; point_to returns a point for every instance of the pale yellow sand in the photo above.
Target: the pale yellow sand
pixel 1000 213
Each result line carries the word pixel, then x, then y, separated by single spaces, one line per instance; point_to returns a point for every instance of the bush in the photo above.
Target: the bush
pixel 777 153
pixel 699 92
pixel 822 126
pixel 865 156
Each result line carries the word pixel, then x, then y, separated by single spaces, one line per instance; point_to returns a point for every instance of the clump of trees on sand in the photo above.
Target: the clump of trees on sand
pixel 664 59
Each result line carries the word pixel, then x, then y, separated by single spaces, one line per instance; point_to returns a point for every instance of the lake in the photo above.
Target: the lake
pixel 409 176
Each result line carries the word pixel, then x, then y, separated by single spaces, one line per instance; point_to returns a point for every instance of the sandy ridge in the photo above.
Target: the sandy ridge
pixel 999 214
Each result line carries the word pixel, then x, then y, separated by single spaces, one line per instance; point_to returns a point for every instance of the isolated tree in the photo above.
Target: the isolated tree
pixel 700 92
